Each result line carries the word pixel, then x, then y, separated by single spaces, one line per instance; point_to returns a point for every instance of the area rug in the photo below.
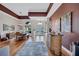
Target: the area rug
pixel 4 51
pixel 33 49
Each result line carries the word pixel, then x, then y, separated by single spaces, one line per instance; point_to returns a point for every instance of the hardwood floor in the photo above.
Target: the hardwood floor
pixel 15 46
pixel 4 43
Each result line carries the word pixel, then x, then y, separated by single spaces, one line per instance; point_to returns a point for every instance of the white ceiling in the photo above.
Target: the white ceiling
pixel 24 8
pixel 53 9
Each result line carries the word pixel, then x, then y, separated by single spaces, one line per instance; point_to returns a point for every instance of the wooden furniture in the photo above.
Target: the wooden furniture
pixel 56 44
pixel 19 36
pixel 10 35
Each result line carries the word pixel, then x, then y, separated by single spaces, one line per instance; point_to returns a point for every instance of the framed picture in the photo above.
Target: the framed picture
pixel 8 28
pixel 5 27
pixel 12 27
pixel 20 27
pixel 66 22
pixel 56 25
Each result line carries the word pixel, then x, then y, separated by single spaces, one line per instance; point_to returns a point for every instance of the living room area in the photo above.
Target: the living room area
pixel 48 30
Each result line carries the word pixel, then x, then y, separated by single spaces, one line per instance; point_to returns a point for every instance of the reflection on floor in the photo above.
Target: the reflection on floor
pixel 39 38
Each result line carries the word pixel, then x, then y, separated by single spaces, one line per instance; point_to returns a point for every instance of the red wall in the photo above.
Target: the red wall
pixel 65 8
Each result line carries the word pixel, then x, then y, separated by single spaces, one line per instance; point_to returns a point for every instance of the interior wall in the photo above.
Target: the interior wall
pixel 8 20
pixel 22 23
pixel 65 8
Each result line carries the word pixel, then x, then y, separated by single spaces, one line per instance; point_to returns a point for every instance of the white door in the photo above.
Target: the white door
pixel 39 33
